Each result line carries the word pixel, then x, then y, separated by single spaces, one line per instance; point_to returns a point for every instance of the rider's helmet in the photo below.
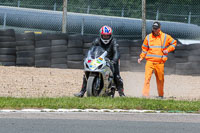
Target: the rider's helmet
pixel 106 34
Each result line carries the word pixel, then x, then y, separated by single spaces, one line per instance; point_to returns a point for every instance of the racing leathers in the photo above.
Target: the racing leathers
pixel 113 55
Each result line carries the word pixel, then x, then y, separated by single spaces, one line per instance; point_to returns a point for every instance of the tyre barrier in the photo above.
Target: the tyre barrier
pixel 7 47
pixel 75 52
pixel 68 51
pixel 59 54
pixel 43 49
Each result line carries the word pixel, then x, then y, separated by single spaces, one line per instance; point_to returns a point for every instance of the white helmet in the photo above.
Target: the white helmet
pixel 106 34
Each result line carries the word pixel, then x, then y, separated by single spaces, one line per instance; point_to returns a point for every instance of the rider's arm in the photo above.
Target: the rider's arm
pixel 116 54
pixel 95 42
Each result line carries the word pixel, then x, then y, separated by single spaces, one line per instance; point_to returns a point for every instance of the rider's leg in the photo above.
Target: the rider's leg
pixel 83 89
pixel 118 80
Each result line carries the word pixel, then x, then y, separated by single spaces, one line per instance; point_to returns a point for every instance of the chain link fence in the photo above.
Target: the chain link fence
pixel 184 11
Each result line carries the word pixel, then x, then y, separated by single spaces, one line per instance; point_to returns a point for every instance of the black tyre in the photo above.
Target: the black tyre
pixel 62 66
pixel 25 36
pixel 125 57
pixel 25 43
pixel 7 32
pixel 25 48
pixel 169 70
pixel 58 42
pixel 43 50
pixel 184 66
pixel 7 51
pixel 7 39
pixel 125 65
pixel 89 38
pixel 124 43
pixel 124 50
pixel 87 45
pixel 39 37
pixel 135 67
pixel 42 63
pixel 59 61
pixel 194 58
pixel 25 54
pixel 59 54
pixel 75 37
pixel 181 60
pixel 135 49
pixel 91 86
pixel 85 51
pixel 75 64
pixel 135 53
pixel 193 46
pixel 75 43
pixel 7 58
pixel 7 63
pixel 25 61
pixel 7 44
pixel 44 43
pixel 181 47
pixel 42 57
pixel 71 51
pixel 59 48
pixel 78 57
pixel 181 53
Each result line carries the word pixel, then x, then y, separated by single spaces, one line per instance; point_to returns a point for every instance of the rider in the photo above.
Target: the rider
pixel 107 42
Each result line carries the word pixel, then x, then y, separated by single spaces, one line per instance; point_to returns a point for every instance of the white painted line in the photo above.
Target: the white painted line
pixel 81 110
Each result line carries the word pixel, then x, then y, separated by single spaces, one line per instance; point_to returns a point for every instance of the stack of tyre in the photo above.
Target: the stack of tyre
pixel 25 47
pixel 42 51
pixel 59 53
pixel 75 52
pixel 50 50
pixel 7 47
pixel 135 51
pixel 170 64
pixel 87 43
pixel 124 50
pixel 188 60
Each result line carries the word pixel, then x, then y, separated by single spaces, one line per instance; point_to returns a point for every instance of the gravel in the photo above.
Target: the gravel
pixel 53 82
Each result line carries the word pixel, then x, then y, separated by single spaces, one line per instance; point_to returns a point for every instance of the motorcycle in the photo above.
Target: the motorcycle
pixel 99 73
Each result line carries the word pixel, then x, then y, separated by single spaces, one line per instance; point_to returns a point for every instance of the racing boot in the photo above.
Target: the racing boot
pixel 121 92
pixel 80 94
pixel 119 86
pixel 83 90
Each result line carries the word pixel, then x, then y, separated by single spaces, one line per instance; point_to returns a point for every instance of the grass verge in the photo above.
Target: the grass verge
pixel 100 103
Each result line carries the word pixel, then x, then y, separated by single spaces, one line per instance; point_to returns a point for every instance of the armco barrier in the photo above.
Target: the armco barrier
pixel 68 51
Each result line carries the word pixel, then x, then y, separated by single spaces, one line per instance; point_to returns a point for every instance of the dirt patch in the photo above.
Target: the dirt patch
pixel 51 82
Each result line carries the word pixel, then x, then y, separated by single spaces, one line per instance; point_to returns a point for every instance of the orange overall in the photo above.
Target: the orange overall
pixel 152 51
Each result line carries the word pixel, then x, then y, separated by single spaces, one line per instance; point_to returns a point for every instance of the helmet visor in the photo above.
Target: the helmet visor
pixel 106 37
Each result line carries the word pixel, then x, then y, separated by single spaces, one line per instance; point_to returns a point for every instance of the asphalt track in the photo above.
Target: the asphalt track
pixel 87 122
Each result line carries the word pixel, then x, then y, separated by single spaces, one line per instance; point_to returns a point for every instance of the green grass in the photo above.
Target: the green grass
pixel 100 103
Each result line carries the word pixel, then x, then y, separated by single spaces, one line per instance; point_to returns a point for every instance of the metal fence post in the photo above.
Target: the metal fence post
pixel 64 20
pixel 143 19
pixel 189 18
pixel 18 3
pixel 82 26
pixel 4 21
pixel 122 12
pixel 157 14
pixel 54 7
pixel 88 10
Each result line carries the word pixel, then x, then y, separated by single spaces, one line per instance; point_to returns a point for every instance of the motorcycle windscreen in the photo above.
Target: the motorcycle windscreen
pixel 95 52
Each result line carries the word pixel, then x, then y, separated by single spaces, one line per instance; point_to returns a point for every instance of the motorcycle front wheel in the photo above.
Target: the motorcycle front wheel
pixel 91 88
